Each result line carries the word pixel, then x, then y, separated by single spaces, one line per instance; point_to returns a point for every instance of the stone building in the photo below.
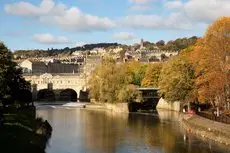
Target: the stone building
pixel 37 67
pixel 62 68
pixel 29 66
pixel 59 81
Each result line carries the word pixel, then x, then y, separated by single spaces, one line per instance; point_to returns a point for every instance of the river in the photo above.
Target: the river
pixel 97 131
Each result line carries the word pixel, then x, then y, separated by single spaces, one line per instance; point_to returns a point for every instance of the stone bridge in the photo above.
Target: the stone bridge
pixel 66 84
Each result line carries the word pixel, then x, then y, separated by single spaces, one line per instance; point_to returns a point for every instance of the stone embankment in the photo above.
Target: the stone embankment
pixel 118 107
pixel 206 128
pixel 171 106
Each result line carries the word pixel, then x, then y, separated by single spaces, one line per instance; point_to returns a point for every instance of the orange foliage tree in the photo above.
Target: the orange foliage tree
pixel 210 59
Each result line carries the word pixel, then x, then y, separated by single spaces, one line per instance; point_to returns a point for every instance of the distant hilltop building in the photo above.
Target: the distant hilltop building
pixel 37 67
pixel 142 44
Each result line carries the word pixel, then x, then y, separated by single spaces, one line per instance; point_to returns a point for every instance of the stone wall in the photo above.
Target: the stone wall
pixel 173 106
pixel 116 107
pixel 206 129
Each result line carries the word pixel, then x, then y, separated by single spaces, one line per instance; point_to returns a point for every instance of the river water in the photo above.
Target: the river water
pixel 97 131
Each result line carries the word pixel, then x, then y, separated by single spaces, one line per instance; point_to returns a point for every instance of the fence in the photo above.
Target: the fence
pixel 222 118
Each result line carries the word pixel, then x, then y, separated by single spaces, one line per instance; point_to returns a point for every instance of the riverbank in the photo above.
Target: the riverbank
pixel 21 132
pixel 203 128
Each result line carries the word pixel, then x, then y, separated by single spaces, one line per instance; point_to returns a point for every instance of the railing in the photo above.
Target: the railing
pixel 222 118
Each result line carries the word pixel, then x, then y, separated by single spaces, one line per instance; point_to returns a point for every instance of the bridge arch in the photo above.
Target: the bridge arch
pixel 46 95
pixel 68 95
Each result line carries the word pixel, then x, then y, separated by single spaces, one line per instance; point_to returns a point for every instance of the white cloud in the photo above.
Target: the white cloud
pixel 155 22
pixel 74 19
pixel 50 39
pixel 182 15
pixel 124 36
pixel 173 5
pixel 58 14
pixel 27 9
pixel 205 11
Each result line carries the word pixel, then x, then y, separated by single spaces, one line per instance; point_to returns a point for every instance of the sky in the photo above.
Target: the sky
pixel 43 24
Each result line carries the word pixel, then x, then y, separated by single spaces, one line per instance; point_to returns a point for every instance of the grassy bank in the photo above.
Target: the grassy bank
pixel 21 132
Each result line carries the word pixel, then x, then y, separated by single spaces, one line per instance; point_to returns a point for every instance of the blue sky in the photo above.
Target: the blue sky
pixel 42 24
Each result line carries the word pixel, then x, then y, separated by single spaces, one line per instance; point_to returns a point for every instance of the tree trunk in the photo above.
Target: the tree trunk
pixel 218 111
pixel 189 107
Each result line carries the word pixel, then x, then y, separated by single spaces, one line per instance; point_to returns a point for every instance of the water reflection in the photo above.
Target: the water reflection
pixel 89 131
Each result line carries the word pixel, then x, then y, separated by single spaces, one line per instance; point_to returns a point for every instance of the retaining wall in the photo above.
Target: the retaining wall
pixel 207 129
pixel 172 106
pixel 116 107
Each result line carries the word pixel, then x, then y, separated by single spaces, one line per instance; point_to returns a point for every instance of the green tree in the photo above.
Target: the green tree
pixel 11 80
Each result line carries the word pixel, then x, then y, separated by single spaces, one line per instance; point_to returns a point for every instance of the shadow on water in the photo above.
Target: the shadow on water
pixel 21 132
pixel 91 131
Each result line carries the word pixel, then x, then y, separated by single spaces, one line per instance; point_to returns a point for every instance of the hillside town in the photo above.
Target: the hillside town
pixel 76 61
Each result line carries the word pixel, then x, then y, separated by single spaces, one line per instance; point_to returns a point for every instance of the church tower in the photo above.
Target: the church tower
pixel 142 43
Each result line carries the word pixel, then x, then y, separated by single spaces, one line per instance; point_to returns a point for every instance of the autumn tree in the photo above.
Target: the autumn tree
pixel 107 81
pixel 135 71
pixel 129 93
pixel 152 74
pixel 122 54
pixel 177 80
pixel 113 82
pixel 210 59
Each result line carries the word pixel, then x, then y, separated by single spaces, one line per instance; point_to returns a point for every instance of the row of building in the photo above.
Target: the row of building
pixel 38 67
